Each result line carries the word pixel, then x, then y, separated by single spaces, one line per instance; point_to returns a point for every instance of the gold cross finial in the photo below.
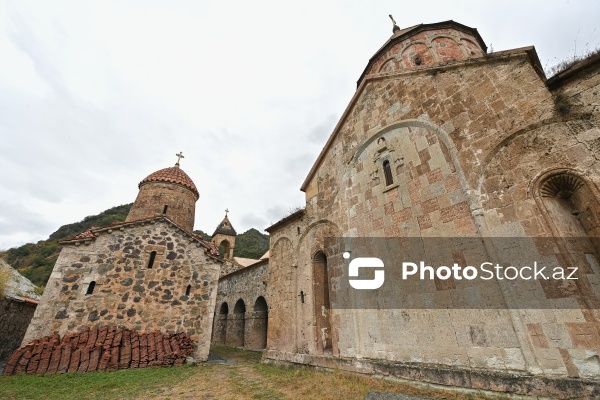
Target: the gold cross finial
pixel 179 157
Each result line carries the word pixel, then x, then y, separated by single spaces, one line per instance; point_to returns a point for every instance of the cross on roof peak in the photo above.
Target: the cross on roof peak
pixel 179 157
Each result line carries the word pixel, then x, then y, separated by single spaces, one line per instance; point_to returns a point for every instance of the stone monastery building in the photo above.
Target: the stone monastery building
pixel 441 139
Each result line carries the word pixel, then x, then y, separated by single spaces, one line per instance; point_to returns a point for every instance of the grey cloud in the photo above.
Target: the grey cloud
pixel 320 133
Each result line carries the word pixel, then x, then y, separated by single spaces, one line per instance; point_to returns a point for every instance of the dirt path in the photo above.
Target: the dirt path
pixel 237 374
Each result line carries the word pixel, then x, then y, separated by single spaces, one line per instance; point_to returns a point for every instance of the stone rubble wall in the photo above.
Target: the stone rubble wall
pixel 14 320
pixel 176 294
pixel 100 349
pixel 238 329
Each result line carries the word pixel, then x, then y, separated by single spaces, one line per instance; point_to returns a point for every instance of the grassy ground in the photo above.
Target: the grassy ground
pixel 241 377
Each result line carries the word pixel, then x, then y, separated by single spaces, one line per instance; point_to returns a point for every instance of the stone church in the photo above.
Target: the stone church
pixel 440 140
pixel 443 139
pixel 149 273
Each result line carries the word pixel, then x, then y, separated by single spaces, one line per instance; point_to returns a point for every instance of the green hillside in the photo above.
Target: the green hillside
pixel 36 260
pixel 251 244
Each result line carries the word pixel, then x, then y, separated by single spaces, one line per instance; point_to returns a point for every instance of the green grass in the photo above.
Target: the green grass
pixel 242 377
pixel 93 385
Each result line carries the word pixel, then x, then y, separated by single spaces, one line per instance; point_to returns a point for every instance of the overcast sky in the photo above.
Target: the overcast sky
pixel 96 95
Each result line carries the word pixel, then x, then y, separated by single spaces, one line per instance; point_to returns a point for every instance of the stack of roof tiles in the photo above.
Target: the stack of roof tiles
pixel 100 349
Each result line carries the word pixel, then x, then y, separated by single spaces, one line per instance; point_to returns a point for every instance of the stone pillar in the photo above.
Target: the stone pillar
pixel 235 330
pixel 256 330
pixel 220 329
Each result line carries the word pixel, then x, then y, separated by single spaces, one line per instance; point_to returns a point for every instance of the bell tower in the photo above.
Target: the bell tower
pixel 224 238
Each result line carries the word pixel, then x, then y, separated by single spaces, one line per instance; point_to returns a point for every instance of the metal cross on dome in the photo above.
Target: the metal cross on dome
pixel 179 156
pixel 226 211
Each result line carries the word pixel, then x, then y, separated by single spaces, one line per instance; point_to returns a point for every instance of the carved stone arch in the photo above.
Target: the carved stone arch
pixel 444 138
pixel 470 48
pixel 423 57
pixel 390 65
pixel 569 190
pixel 570 204
pixel 547 129
pixel 310 230
pixel 510 136
pixel 440 57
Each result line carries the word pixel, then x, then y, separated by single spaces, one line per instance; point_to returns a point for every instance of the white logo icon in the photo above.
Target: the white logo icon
pixel 365 262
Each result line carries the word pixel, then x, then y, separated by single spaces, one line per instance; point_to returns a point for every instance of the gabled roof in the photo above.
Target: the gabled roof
pixel 225 228
pixel 93 232
pixel 171 175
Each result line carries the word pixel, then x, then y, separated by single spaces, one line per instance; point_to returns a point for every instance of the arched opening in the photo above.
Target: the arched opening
pixel 220 325
pixel 387 172
pixel 322 305
pixel 151 260
pixel 256 325
pixel 224 248
pixel 572 209
pixel 224 310
pixel 165 208
pixel 188 290
pixel 91 287
pixel 236 326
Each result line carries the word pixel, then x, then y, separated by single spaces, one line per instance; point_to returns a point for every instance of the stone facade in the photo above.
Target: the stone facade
pixel 15 316
pixel 442 139
pixel 111 281
pixel 241 314
pixel 149 273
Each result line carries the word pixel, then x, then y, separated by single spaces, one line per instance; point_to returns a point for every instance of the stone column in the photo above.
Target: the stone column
pixel 235 330
pixel 256 330
pixel 220 329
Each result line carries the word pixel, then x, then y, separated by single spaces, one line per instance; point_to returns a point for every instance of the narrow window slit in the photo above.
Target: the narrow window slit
pixel 165 208
pixel 151 261
pixel 90 289
pixel 188 290
pixel 387 171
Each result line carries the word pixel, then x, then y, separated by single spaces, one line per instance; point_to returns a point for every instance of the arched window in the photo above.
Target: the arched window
pixel 151 260
pixel 321 301
pixel 188 290
pixel 91 287
pixel 224 309
pixel 387 171
pixel 224 249
pixel 165 208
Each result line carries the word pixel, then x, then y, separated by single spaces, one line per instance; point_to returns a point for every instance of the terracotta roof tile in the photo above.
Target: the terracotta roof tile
pixel 171 175
pixel 88 234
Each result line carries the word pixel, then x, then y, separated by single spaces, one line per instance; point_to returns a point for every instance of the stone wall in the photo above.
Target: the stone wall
pixel 154 196
pixel 471 149
pixel 14 320
pixel 241 313
pixel 176 293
